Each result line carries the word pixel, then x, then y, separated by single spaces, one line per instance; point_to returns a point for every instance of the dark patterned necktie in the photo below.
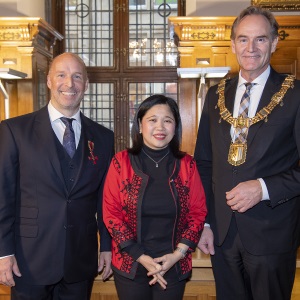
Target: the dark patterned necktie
pixel 69 137
pixel 241 133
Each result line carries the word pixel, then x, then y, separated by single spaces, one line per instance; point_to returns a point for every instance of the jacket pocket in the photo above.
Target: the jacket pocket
pixel 27 231
pixel 29 212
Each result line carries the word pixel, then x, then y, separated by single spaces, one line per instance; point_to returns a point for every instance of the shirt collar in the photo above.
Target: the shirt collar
pixel 260 80
pixel 55 114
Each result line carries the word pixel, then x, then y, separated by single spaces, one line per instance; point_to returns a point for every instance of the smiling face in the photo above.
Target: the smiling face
pixel 67 81
pixel 158 127
pixel 253 45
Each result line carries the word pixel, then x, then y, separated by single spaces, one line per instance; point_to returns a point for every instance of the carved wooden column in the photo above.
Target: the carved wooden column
pixel 26 45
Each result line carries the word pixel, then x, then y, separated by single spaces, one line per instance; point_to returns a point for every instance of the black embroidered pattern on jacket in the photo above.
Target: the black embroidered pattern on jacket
pixel 183 228
pixel 185 264
pixel 120 232
pixel 126 263
pixel 127 230
pixel 131 193
pixel 116 165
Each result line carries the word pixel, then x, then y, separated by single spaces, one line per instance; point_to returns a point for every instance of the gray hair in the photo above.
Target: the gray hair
pixel 256 10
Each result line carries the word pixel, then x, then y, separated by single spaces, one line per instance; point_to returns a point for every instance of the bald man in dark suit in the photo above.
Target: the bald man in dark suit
pixel 51 200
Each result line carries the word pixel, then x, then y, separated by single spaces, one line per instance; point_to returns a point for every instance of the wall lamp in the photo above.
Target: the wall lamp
pixel 7 73
pixel 202 73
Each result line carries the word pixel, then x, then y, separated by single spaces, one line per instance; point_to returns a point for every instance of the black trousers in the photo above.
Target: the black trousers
pixel 59 291
pixel 240 275
pixel 139 288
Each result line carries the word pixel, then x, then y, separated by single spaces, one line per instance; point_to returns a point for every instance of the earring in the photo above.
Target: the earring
pixel 140 131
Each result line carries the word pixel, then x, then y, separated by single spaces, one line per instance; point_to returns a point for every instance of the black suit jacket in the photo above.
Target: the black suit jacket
pixel 272 226
pixel 52 232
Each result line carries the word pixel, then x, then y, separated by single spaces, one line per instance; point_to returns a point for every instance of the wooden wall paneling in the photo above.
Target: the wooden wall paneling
pixel 287 66
pixel 4 292
pixel 2 112
pixel 29 43
pixel 188 110
pixel 220 55
pixel 24 99
pixel 104 290
pixel 11 87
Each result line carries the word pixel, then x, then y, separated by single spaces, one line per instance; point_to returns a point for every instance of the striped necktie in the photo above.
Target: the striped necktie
pixel 241 133
pixel 69 137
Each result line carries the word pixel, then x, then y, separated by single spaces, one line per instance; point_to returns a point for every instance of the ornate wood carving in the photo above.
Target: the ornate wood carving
pixel 278 5
pixel 26 45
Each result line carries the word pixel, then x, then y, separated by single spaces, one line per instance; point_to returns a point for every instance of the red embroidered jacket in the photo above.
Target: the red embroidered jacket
pixel 122 204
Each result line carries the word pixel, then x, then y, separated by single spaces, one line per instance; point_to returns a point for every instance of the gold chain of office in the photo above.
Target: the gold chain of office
pixel 238 151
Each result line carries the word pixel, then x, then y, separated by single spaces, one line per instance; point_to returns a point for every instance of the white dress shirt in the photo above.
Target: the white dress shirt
pixel 59 126
pixel 255 95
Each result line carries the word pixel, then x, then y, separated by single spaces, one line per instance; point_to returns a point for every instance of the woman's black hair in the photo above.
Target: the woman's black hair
pixel 136 136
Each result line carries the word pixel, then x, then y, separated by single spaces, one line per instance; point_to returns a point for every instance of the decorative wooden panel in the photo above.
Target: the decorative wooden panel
pixel 26 45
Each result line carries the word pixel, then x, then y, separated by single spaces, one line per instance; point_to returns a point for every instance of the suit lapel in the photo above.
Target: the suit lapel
pixel 230 90
pixel 86 135
pixel 272 86
pixel 46 140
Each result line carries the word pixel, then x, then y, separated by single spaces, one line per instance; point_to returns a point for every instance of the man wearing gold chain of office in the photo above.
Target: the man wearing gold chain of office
pixel 247 153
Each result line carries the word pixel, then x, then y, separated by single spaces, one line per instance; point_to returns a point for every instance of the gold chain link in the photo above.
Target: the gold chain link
pixel 262 114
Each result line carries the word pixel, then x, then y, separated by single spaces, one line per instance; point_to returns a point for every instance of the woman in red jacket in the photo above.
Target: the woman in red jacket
pixel 154 206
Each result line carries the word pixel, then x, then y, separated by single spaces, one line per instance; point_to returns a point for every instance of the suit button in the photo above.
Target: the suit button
pixel 69 201
pixel 68 227
pixel 71 179
pixel 234 171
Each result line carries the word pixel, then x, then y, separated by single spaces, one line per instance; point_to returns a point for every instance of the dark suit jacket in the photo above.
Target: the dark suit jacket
pixel 271 226
pixel 52 232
